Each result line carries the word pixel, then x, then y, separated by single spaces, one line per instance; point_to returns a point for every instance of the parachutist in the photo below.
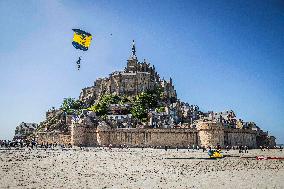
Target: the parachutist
pixel 79 60
pixel 81 41
pixel 78 63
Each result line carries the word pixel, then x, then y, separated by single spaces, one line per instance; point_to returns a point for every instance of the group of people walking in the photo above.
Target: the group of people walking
pixel 25 143
pixel 20 143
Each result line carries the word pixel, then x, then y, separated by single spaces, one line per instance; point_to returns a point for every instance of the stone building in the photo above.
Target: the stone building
pixel 137 77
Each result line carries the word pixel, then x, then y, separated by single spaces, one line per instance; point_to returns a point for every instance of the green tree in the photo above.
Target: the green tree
pixel 71 106
pixel 101 107
pixel 139 111
pixel 124 99
pixel 160 109
pixel 145 101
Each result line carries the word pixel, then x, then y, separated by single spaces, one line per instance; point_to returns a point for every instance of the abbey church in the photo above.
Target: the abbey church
pixel 137 77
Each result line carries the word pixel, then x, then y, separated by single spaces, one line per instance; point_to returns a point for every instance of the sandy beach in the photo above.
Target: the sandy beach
pixel 138 168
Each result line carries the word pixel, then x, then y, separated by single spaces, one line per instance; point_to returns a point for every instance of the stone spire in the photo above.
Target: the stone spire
pixel 133 56
pixel 133 48
pixel 132 62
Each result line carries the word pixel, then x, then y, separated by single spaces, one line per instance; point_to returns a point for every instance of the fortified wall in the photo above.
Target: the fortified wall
pixel 206 134
pixel 236 137
pixel 53 137
pixel 212 133
pixel 88 136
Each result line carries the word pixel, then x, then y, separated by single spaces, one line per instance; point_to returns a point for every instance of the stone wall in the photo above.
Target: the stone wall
pixel 84 135
pixel 236 137
pixel 206 134
pixel 213 133
pixel 152 137
pixel 53 137
pixel 88 136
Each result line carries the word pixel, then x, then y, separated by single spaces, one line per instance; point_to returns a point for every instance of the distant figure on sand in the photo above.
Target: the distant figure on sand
pixel 246 149
pixel 227 148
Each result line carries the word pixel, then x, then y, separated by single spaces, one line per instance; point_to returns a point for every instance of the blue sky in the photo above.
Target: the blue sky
pixel 221 55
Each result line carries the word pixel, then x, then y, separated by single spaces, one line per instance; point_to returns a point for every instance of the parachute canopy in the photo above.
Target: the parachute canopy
pixel 81 39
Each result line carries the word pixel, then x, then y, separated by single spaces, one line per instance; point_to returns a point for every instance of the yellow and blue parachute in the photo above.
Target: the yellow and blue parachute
pixel 82 41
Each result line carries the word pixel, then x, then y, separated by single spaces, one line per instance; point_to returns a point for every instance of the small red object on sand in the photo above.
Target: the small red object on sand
pixel 261 158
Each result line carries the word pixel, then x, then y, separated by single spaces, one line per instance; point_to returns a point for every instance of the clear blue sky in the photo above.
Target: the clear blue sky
pixel 221 55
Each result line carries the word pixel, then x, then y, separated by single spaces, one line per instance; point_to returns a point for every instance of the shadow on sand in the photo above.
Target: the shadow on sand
pixel 194 158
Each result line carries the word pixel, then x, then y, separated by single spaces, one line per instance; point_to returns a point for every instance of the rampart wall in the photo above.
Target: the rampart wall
pixel 236 137
pixel 84 136
pixel 53 137
pixel 134 137
pixel 206 134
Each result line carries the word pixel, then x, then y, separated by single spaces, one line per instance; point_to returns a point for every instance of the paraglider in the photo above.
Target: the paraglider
pixel 81 41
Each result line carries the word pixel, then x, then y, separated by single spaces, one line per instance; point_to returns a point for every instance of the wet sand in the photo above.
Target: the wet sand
pixel 137 168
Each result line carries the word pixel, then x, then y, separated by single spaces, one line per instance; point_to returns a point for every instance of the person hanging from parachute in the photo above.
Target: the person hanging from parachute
pixel 81 41
pixel 79 62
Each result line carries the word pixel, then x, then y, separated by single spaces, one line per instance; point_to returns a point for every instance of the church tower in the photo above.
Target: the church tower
pixel 132 62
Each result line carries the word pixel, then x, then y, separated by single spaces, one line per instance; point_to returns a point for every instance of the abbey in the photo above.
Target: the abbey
pixel 137 77
pixel 136 107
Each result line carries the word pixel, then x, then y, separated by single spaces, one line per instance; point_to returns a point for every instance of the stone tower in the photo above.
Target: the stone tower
pixel 132 62
pixel 210 133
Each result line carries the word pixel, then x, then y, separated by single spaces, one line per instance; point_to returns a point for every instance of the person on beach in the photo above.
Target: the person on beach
pixel 246 149
pixel 218 146
pixel 5 143
pixel 21 143
pixel 210 152
pixel 33 144
pixel 227 148
pixel 240 149
pixel 27 143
